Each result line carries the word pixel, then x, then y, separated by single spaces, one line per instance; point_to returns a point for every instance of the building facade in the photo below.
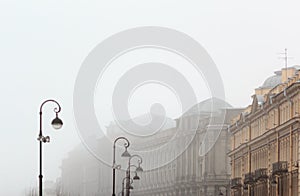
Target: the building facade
pixel 200 169
pixel 203 168
pixel 265 139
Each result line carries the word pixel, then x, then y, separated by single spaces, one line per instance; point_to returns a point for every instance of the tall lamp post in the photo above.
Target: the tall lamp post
pixel 138 169
pixel 114 166
pixel 57 124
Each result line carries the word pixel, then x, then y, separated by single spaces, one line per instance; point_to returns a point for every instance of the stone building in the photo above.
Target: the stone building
pixel 198 166
pixel 203 168
pixel 265 139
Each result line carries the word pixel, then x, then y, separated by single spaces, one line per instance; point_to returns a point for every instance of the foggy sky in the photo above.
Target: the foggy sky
pixel 43 43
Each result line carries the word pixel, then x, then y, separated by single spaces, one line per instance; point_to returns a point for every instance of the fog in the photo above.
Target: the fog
pixel 43 44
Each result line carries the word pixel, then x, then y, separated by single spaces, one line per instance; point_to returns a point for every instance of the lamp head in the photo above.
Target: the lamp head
pixel 125 153
pixel 57 123
pixel 139 168
pixel 130 187
pixel 136 177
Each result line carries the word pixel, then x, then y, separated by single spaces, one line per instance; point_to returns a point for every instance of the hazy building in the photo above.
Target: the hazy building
pixel 265 139
pixel 81 173
pixel 200 169
pixel 203 167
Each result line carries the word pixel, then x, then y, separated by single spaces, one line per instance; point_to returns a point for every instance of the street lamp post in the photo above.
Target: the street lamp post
pixel 57 124
pixel 138 169
pixel 114 166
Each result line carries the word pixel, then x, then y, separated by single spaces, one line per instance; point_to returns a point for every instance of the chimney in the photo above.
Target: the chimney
pixel 287 73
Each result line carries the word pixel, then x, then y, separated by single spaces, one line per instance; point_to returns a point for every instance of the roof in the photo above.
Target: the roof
pixel 275 80
pixel 210 105
pixel 272 81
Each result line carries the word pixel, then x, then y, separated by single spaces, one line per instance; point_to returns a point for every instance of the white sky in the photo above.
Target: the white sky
pixel 43 43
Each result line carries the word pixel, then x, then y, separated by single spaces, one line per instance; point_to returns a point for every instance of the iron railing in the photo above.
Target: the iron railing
pixel 261 174
pixel 236 183
pixel 249 178
pixel 279 168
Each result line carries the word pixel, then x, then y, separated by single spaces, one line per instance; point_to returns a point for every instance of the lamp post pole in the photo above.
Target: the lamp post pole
pixel 125 154
pixel 57 124
pixel 127 185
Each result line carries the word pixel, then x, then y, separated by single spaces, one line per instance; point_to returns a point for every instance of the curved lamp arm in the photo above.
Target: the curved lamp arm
pixel 140 161
pixel 126 145
pixel 56 123
pixel 132 166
